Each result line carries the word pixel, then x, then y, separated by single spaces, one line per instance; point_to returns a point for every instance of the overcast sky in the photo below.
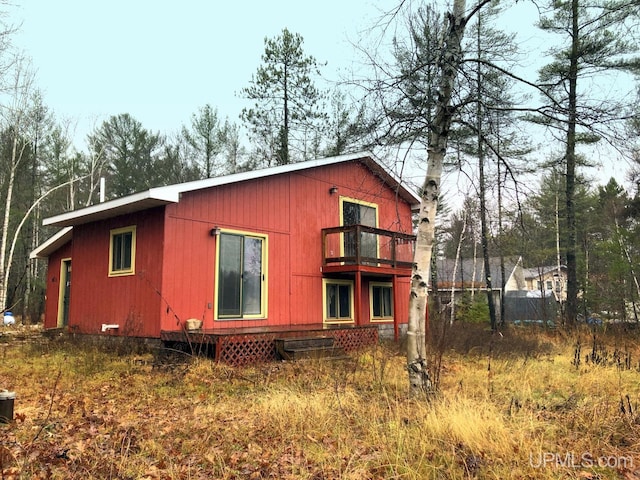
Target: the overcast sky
pixel 161 60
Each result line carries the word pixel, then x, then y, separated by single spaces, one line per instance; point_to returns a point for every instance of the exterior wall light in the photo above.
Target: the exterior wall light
pixel 333 190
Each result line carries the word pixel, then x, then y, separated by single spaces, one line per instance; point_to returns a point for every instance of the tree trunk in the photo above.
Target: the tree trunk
pixel 450 58
pixel 503 277
pixel 571 311
pixel 7 270
pixel 5 266
pixel 452 314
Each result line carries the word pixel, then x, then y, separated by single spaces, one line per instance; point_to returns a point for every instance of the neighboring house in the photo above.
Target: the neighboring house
pixel 547 281
pixel 469 274
pixel 530 295
pixel 316 246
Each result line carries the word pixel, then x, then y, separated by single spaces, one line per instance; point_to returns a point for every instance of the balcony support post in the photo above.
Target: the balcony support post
pixel 358 299
pixel 396 302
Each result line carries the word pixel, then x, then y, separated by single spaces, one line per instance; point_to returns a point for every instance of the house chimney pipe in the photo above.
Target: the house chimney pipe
pixel 102 186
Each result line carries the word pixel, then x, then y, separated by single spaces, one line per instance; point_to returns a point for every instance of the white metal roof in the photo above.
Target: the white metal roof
pixel 54 243
pixel 171 194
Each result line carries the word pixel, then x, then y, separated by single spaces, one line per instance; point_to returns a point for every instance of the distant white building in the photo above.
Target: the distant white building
pixel 547 281
pixel 530 294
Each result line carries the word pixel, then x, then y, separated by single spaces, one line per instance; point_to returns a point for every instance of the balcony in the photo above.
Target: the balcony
pixel 367 249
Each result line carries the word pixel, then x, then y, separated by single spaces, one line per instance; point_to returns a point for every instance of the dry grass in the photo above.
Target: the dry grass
pixel 517 406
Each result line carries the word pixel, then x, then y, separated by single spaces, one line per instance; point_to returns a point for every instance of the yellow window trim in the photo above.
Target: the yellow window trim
pixel 264 303
pixel 129 271
pixel 325 318
pixel 379 319
pixel 359 202
pixel 62 278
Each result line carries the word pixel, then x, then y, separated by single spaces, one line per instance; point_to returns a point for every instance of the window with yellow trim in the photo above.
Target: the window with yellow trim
pixel 338 300
pixel 122 251
pixel 381 301
pixel 241 282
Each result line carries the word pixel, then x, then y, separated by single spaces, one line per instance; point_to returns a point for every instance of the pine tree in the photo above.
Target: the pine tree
pixel 595 43
pixel 287 101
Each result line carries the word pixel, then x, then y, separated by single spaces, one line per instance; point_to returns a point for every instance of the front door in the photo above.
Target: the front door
pixel 65 291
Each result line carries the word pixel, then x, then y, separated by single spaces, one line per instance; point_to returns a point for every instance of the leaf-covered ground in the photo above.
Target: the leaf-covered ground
pixel 564 407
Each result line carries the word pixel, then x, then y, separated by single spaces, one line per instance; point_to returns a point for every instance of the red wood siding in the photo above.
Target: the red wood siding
pixel 291 210
pixel 52 294
pixel 311 188
pixel 176 254
pixel 131 301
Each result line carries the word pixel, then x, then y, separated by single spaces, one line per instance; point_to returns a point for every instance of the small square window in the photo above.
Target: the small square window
pixel 338 301
pixel 381 298
pixel 122 251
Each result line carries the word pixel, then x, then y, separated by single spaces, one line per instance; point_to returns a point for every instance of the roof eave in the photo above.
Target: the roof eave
pixel 171 194
pixel 52 244
pixel 133 203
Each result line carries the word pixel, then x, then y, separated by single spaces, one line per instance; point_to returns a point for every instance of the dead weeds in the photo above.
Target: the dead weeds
pixel 520 410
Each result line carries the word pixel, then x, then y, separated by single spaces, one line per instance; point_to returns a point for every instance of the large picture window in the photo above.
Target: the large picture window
pixel 381 300
pixel 338 300
pixel 241 289
pixel 122 251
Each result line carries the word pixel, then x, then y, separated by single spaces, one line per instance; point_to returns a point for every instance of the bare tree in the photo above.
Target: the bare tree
pixel 15 120
pixel 449 60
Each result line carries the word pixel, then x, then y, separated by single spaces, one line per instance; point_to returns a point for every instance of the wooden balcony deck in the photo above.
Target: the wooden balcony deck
pixel 359 248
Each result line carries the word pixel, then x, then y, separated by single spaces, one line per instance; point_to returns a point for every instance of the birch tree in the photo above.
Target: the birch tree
pixel 15 120
pixel 449 60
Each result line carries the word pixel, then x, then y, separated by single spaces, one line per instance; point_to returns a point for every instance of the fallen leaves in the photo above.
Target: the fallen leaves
pixel 114 417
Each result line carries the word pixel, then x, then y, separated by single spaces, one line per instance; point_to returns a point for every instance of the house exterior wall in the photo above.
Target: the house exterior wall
pixel 516 280
pixel 130 301
pixel 175 262
pixel 52 293
pixel 291 210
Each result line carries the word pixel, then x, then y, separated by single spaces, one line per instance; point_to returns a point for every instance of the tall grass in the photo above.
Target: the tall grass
pixel 515 406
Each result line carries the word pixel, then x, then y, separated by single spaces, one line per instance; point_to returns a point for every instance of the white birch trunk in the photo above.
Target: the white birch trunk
pixel 455 271
pixel 4 266
pixel 7 270
pixel 21 88
pixel 450 58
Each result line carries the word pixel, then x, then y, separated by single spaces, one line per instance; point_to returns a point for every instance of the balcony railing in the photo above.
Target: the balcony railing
pixel 362 245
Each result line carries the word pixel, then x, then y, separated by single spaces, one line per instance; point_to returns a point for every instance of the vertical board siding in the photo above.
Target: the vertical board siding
pixel 129 301
pixel 291 210
pixel 176 254
pixel 316 209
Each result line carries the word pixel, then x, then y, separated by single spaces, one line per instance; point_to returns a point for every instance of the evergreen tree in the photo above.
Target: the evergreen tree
pixel 287 102
pixel 130 152
pixel 595 44
pixel 206 139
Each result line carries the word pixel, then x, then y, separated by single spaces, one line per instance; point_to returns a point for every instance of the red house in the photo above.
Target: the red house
pixel 322 247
